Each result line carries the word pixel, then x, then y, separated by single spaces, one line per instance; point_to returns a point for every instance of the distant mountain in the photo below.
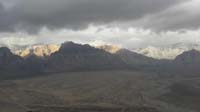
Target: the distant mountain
pixel 131 58
pixel 110 48
pixel 135 59
pixel 78 57
pixel 8 59
pixel 43 50
pixel 34 64
pixel 40 50
pixel 10 64
pixel 189 60
pixel 167 52
pixel 69 57
pixel 160 53
pixel 73 56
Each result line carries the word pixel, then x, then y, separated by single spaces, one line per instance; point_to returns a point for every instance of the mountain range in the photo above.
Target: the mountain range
pixel 39 50
pixel 70 56
pixel 82 78
pixel 167 52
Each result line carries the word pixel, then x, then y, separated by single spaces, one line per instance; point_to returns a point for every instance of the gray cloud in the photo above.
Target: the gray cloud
pixel 31 15
pixel 181 17
pixel 3 18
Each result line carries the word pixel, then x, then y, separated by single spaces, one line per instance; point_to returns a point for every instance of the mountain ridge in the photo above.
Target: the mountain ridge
pixel 188 60
pixel 167 52
pixel 83 57
pixel 80 57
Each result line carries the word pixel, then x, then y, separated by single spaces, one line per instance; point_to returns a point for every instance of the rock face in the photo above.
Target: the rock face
pixel 34 64
pixel 110 48
pixel 160 53
pixel 189 60
pixel 73 56
pixel 135 59
pixel 38 50
pixel 9 60
pixel 69 57
pixel 167 52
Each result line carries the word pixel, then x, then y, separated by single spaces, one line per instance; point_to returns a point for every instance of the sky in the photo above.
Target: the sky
pixel 126 23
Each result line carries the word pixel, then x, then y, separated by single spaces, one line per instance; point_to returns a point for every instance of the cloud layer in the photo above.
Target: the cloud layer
pixel 31 15
pixel 129 23
pixel 130 38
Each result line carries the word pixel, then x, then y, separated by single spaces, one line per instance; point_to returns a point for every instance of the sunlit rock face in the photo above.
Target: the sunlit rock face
pixel 23 53
pixel 38 50
pixel 167 52
pixel 46 50
pixel 110 48
pixel 160 53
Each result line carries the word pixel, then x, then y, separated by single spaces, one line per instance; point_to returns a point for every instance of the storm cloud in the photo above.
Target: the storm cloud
pixel 128 23
pixel 32 15
pixel 180 17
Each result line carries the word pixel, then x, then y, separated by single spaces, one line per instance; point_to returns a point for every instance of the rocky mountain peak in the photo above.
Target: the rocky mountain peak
pixel 38 50
pixel 4 51
pixel 167 52
pixel 110 48
pixel 70 47
pixel 188 60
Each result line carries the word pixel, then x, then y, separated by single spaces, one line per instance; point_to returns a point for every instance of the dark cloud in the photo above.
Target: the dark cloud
pixel 31 15
pixel 3 24
pixel 176 20
pixel 182 17
pixel 185 16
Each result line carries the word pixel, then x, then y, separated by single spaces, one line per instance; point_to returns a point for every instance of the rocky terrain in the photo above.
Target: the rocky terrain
pixel 38 50
pixel 101 91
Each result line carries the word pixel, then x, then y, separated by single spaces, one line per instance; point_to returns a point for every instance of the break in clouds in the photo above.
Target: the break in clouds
pixel 153 19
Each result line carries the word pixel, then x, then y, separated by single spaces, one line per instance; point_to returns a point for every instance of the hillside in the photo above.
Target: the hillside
pixel 73 56
pixel 188 61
